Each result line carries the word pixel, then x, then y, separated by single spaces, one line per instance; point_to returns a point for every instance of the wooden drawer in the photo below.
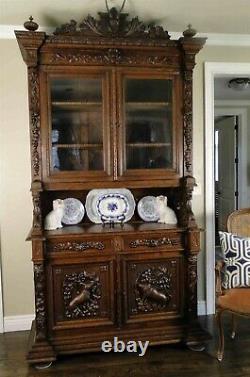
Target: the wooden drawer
pixel 170 241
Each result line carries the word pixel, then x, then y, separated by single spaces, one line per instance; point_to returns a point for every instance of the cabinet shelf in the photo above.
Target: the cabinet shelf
pixel 147 104
pixel 146 145
pixel 75 105
pixel 80 146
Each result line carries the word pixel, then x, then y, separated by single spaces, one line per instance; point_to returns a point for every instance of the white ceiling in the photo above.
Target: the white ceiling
pixel 223 92
pixel 207 16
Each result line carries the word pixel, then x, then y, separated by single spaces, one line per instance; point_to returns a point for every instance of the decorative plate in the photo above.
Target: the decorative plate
pixel 110 205
pixel 73 211
pixel 147 209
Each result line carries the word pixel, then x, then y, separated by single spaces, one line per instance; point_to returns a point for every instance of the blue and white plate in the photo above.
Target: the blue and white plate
pixel 73 211
pixel 147 210
pixel 110 205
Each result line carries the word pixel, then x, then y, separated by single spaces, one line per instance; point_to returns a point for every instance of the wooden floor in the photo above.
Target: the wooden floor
pixel 163 361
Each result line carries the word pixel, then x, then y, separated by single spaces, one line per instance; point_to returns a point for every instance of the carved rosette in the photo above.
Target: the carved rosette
pixel 152 289
pixel 188 119
pixel 39 281
pixel 77 246
pixel 192 284
pixel 34 109
pixel 81 295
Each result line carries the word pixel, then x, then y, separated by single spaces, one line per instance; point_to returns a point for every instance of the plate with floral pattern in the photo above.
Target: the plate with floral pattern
pixel 110 205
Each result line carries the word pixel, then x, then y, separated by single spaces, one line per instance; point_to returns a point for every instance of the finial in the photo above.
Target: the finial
pixel 189 32
pixel 30 25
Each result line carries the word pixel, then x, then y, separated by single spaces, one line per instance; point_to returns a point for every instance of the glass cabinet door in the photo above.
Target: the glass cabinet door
pixel 148 137
pixel 79 135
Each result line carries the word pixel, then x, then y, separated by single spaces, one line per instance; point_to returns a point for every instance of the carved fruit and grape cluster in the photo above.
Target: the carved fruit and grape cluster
pixel 153 287
pixel 81 294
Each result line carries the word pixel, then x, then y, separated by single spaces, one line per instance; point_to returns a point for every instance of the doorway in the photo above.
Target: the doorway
pixel 213 70
pixel 225 170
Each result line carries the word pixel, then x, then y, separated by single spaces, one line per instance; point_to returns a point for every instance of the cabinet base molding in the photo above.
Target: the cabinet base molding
pixel 43 352
pixel 39 351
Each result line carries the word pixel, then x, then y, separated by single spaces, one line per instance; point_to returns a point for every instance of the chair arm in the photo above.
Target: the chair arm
pixel 218 280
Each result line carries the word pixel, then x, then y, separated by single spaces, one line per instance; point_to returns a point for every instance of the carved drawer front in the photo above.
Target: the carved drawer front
pixel 79 246
pixel 151 241
pixel 153 289
pixel 82 293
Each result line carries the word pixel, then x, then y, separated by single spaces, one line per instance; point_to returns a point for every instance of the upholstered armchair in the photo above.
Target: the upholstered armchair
pixel 233 273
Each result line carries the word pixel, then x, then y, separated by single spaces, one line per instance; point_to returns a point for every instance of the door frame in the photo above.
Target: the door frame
pixel 211 71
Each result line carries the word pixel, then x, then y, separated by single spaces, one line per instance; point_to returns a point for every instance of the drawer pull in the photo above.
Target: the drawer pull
pixel 77 246
pixel 152 242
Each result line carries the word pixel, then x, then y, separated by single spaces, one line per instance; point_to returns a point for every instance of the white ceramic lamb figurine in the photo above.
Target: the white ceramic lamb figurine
pixel 54 218
pixel 166 214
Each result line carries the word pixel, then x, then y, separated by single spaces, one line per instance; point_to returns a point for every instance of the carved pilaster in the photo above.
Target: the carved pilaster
pixel 190 47
pixel 34 108
pixel 39 281
pixel 188 122
pixel 192 284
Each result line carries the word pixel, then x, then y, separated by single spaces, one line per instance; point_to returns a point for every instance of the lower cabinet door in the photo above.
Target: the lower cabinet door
pixel 81 294
pixel 153 288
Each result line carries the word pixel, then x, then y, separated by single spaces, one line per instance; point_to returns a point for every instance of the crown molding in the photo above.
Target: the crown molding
pixel 213 39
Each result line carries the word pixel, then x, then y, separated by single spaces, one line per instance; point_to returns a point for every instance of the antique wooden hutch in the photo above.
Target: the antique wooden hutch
pixel 110 104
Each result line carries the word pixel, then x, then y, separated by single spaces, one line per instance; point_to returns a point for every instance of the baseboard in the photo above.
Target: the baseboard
pixel 202 307
pixel 18 322
pixel 23 322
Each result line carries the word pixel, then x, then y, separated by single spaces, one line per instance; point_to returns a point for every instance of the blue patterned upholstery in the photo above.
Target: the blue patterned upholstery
pixel 236 252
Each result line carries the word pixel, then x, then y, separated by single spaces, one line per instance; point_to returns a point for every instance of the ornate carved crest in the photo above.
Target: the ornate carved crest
pixel 81 294
pixel 112 24
pixel 153 287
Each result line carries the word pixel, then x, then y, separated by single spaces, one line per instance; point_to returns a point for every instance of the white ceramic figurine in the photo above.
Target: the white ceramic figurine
pixel 54 218
pixel 166 214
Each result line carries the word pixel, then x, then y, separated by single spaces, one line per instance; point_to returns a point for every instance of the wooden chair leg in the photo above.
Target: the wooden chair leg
pixel 233 326
pixel 220 351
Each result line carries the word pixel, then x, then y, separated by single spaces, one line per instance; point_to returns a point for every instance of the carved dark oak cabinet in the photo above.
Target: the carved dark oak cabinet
pixel 110 104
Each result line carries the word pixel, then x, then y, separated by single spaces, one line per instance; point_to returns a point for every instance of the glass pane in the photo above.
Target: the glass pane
pixel 148 123
pixel 77 126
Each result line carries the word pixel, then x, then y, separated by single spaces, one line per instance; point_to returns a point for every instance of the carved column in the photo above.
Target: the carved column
pixel 34 109
pixel 193 248
pixel 190 47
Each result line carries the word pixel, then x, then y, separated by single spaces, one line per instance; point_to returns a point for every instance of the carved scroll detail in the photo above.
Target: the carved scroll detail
pixel 34 120
pixel 77 246
pixel 153 287
pixel 39 280
pixel 153 242
pixel 81 294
